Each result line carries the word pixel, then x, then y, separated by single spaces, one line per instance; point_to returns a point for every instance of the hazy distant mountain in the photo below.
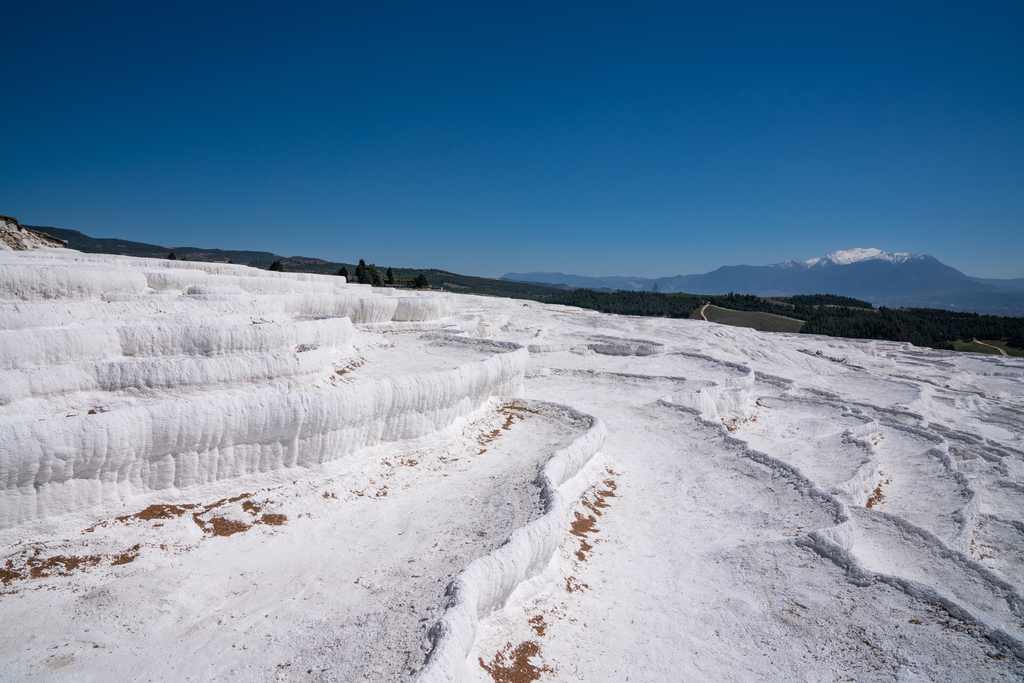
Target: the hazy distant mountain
pixel 1014 285
pixel 878 276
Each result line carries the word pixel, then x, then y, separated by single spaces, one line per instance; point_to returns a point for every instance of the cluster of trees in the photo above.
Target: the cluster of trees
pixel 826 314
pixel 630 303
pixel 920 326
pixel 369 275
pixel 824 300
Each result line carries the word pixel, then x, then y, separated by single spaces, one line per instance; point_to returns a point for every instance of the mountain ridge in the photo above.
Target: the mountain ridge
pixel 439 279
pixel 884 278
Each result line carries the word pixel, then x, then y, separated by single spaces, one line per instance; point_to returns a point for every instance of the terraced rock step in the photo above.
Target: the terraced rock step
pixel 390 535
pixel 211 471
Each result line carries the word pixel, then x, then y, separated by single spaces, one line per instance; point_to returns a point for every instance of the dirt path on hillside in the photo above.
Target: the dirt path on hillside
pixel 704 316
pixel 975 341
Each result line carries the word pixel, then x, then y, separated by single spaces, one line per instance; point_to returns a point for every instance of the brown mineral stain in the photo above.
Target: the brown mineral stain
pixel 60 564
pixel 876 495
pixel 221 526
pixel 511 413
pixel 125 558
pixel 515 666
pixel 596 501
pixel 572 585
pixel 273 519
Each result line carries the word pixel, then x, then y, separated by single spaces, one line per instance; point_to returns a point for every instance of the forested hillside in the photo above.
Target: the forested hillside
pixel 827 314
pixel 438 279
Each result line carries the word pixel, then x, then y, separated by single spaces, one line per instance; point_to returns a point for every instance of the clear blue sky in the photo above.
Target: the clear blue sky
pixel 645 139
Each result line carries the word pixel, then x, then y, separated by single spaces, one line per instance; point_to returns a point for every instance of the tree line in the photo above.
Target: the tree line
pixel 827 314
pixel 369 275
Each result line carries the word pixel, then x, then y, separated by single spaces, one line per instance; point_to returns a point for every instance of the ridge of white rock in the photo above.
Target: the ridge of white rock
pixel 488 582
pixel 167 383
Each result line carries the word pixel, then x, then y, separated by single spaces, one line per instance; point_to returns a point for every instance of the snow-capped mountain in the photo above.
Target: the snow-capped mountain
pixel 892 279
pixel 845 257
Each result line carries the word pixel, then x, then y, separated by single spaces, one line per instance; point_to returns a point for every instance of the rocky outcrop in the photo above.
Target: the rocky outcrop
pixel 14 237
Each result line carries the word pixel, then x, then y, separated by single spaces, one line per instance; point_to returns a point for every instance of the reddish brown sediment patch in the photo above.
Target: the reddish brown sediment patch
pixel 126 557
pixel 350 366
pixel 595 500
pixel 24 567
pixel 572 585
pixel 221 526
pixel 35 567
pixel 877 496
pixel 487 438
pixel 511 413
pixel 982 551
pixel 389 467
pixel 513 666
pixel 580 528
pixel 59 564
pixel 538 624
pixel 7 573
pixel 735 423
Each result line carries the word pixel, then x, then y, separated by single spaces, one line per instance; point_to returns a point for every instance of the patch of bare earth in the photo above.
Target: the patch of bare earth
pixel 514 665
pixel 594 500
pixel 350 366
pixel 877 496
pixel 511 413
pixel 34 565
pixel 523 663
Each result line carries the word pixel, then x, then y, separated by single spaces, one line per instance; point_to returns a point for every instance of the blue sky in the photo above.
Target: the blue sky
pixel 647 139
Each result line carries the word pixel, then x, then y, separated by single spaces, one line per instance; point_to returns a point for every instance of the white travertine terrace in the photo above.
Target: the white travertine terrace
pixel 217 472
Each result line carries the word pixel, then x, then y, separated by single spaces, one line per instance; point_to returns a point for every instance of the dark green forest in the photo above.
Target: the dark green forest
pixel 827 314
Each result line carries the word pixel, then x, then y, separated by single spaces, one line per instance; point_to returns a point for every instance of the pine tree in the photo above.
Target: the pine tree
pixel 171 257
pixel 277 266
pixel 421 282
pixel 343 272
pixel 391 276
pixel 363 276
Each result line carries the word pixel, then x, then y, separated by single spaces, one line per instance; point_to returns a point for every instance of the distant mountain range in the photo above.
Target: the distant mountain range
pixel 873 275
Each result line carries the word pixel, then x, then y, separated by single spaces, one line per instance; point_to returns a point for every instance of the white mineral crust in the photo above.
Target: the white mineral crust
pixel 212 472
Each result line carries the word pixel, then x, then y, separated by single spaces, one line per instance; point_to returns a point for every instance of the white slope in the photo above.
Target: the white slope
pixel 216 473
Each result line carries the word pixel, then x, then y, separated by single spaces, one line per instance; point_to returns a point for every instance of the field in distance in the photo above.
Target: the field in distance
pixel 986 346
pixel 758 320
